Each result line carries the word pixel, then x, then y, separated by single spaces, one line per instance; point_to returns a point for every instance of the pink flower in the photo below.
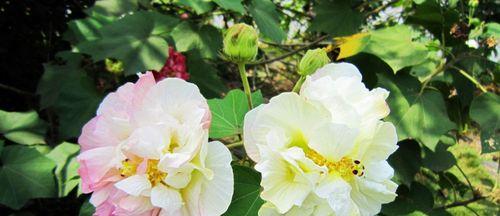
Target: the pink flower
pixel 175 66
pixel 147 153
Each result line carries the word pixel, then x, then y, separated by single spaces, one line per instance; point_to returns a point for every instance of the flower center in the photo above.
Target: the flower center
pixel 346 167
pixel 129 167
pixel 155 176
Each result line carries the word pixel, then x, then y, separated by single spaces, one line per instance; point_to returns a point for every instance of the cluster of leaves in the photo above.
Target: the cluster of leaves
pixel 442 90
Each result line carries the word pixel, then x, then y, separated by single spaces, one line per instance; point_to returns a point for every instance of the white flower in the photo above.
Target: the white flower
pixel 325 149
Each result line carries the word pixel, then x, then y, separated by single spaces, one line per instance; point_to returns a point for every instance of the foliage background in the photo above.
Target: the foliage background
pixel 439 59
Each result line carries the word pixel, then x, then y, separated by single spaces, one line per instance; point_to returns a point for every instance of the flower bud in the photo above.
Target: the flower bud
pixel 473 3
pixel 312 61
pixel 241 43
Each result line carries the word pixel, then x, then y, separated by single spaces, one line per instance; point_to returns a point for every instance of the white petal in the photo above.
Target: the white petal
pixel 189 140
pixel 134 205
pixel 295 156
pixel 370 196
pixel 252 135
pixel 383 143
pixel 168 199
pixel 134 185
pixel 148 142
pixel 333 141
pixel 337 192
pixel 337 70
pixel 284 185
pixel 211 197
pixel 268 209
pixel 379 171
pixel 173 160
pixel 179 178
pixel 287 111
pixel 179 99
pixel 339 97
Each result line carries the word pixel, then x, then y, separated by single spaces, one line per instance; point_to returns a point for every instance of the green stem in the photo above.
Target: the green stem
pixel 246 85
pixel 469 77
pixel 299 83
pixel 467 179
pixel 234 145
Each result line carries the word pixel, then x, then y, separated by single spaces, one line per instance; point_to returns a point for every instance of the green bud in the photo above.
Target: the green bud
pixel 473 3
pixel 241 43
pixel 312 61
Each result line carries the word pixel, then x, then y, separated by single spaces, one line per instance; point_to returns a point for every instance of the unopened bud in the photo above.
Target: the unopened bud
pixel 241 43
pixel 473 3
pixel 312 61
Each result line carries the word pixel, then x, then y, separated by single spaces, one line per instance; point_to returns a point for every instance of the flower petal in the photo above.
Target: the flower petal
pixel 333 141
pixel 148 142
pixel 211 197
pixel 168 199
pixel 337 192
pixel 284 185
pixel 134 185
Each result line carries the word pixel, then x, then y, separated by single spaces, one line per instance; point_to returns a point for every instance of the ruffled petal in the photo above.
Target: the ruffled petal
pixel 211 197
pixel 134 185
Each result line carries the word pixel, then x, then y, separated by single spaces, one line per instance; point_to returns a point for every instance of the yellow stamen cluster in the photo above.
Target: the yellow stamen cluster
pixel 154 175
pixel 345 167
pixel 129 167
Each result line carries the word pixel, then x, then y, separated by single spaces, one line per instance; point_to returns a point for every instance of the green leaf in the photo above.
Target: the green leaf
pixel 64 155
pixel 424 70
pixel 2 144
pixel 113 7
pixel 492 30
pixel 199 6
pixel 485 110
pixel 406 161
pixel 440 159
pixel 414 201
pixel 87 209
pixel 25 174
pixel 228 113
pixel 138 40
pixel 204 75
pixel 420 116
pixel 234 5
pixel 23 127
pixel 394 45
pixel 86 29
pixel 434 18
pixel 246 198
pixel 267 18
pixel 71 92
pixel 336 17
pixel 188 36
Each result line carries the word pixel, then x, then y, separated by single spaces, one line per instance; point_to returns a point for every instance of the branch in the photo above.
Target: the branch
pixel 461 203
pixel 303 14
pixel 381 8
pixel 470 78
pixel 16 90
pixel 292 52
